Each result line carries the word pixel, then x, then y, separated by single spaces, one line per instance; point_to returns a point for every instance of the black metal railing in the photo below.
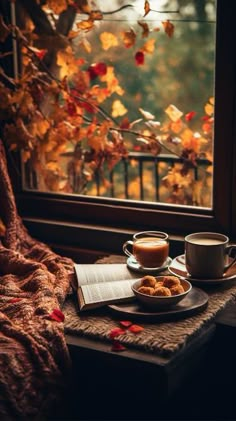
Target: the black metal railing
pixel 133 167
pixel 141 159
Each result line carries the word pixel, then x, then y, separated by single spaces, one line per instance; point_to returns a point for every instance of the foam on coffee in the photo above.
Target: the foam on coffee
pixel 206 241
pixel 150 251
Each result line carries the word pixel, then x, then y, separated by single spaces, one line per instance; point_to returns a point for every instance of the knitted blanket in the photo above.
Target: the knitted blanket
pixel 34 282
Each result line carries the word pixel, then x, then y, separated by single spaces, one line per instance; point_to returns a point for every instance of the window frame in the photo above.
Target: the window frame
pixel 100 223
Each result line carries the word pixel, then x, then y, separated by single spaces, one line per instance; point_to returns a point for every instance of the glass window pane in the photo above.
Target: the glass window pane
pixel 141 85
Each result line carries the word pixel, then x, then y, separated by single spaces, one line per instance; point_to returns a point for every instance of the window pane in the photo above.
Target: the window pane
pixel 140 85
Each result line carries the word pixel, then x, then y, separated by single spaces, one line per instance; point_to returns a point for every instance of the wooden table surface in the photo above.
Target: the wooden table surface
pixel 197 383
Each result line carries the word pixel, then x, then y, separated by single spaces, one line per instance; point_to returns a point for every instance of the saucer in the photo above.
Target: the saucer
pixel 135 266
pixel 178 268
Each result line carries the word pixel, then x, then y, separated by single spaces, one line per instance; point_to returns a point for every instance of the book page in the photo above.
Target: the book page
pixel 107 292
pixel 88 274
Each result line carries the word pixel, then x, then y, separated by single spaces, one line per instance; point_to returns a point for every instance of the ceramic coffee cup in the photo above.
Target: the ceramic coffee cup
pixel 207 254
pixel 149 248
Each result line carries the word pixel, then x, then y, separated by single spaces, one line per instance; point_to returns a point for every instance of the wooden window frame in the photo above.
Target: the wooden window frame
pixel 99 223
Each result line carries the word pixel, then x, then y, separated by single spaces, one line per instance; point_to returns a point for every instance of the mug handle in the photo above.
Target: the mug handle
pixel 228 251
pixel 125 247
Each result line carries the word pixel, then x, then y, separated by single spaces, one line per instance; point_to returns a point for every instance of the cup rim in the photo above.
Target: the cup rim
pixel 209 234
pixel 161 234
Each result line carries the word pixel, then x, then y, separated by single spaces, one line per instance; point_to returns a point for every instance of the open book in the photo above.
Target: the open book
pixel 102 284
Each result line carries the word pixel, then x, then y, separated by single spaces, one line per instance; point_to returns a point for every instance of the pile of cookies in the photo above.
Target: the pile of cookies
pixel 163 286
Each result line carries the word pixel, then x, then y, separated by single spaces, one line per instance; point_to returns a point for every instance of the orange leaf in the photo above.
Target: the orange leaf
pixel 145 28
pixel 96 15
pixel 85 25
pixel 169 28
pixel 135 328
pixel 57 6
pixel 129 38
pixel 146 8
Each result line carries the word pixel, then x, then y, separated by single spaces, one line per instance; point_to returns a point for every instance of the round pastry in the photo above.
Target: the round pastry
pixel 148 281
pixel 170 281
pixel 146 290
pixel 162 291
pixel 176 290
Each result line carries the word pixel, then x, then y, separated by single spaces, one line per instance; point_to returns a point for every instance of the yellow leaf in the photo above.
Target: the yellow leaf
pixel 173 112
pixel 118 109
pixel 209 109
pixel 67 62
pixel 149 46
pixel 108 40
pixel 112 81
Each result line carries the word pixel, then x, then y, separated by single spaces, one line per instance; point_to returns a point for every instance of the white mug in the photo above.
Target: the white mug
pixel 207 254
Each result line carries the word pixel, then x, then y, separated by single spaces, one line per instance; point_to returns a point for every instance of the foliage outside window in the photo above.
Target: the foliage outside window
pixel 72 117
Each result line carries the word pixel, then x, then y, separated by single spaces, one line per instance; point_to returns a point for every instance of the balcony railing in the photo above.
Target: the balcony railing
pixel 141 160
pixel 134 167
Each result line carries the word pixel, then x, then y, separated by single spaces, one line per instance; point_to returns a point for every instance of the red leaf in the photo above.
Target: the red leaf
pixel 40 54
pixel 71 108
pixel 117 347
pixel 205 117
pixel 135 328
pixel 116 332
pixel 56 315
pixel 97 69
pixel 190 115
pixel 125 323
pixel 14 300
pixel 139 58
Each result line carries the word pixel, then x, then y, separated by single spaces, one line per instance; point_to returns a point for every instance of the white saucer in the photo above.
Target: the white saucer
pixel 135 266
pixel 178 268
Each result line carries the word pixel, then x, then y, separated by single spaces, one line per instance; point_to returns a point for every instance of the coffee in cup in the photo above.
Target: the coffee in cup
pixel 207 254
pixel 149 248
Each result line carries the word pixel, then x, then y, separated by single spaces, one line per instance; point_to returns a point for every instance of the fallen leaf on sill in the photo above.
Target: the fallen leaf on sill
pixel 116 332
pixel 135 328
pixel 117 347
pixel 125 323
pixel 56 315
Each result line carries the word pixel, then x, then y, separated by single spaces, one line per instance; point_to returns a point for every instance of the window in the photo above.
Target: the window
pixel 94 222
